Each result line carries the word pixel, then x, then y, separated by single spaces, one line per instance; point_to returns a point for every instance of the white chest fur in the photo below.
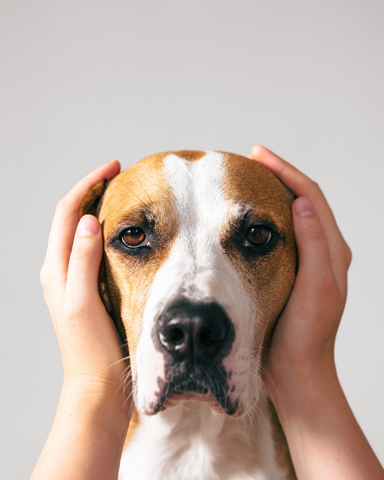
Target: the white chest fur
pixel 192 442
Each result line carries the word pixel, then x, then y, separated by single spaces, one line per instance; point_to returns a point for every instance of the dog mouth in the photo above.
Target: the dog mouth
pixel 192 386
pixel 203 383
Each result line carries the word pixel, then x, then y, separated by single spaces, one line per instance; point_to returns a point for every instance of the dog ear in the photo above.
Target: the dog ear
pixel 91 206
pixel 91 202
pixel 292 196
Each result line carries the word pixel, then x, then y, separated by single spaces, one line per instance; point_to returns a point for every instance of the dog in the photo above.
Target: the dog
pixel 199 260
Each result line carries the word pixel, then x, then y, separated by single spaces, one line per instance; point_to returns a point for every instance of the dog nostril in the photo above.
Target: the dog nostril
pixel 172 336
pixel 175 335
pixel 210 336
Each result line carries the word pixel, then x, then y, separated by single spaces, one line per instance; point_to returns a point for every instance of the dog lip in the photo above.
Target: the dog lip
pixel 191 396
pixel 198 382
pixel 191 386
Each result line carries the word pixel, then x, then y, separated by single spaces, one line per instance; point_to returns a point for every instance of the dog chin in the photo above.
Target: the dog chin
pixel 190 400
pixel 223 405
pixel 175 399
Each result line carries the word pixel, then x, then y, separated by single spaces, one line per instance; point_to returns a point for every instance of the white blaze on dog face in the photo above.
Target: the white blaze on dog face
pixel 196 209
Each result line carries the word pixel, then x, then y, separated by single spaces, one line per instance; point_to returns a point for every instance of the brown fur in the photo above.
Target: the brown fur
pixel 190 155
pixel 133 426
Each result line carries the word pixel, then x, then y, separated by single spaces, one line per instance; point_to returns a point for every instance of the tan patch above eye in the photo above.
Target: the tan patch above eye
pixel 133 237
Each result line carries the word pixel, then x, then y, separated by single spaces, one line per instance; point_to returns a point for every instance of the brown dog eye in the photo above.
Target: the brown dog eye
pixel 258 235
pixel 133 237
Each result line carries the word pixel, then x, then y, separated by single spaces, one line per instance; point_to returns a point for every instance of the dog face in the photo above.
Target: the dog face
pixel 199 261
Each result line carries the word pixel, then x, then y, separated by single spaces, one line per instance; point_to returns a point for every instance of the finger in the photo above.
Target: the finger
pixel 85 331
pixel 314 261
pixel 84 263
pixel 65 223
pixel 315 269
pixel 301 185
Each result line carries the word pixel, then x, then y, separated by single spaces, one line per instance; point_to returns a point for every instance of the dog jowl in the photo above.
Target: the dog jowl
pixel 199 261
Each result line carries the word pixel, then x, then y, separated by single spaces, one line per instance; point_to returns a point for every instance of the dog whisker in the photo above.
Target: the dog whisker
pixel 124 359
pixel 265 371
pixel 150 199
pixel 140 200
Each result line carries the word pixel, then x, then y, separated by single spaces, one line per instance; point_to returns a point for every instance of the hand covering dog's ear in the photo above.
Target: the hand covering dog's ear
pixel 91 206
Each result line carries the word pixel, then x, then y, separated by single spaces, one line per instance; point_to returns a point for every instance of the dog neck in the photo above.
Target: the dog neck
pixel 193 442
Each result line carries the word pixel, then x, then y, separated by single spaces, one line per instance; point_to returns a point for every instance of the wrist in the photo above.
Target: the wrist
pixel 90 428
pixel 103 405
pixel 303 392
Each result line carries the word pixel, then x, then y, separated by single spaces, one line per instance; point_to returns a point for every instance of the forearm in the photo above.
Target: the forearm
pixel 86 439
pixel 324 438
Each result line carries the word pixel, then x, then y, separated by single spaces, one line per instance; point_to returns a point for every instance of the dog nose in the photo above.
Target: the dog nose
pixel 195 332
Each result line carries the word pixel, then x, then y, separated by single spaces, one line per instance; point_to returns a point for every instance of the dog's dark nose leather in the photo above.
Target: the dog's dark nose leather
pixel 195 332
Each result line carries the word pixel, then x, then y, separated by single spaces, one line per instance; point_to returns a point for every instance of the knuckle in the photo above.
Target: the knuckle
pixel 72 312
pixel 327 286
pixel 315 186
pixel 309 188
pixel 312 187
pixel 348 254
pixel 44 277
pixel 315 233
pixel 79 255
pixel 62 204
pixel 81 252
pixel 328 291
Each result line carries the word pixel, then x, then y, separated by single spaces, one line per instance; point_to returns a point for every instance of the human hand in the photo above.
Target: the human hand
pixel 303 340
pixel 91 354
pixel 93 413
pixel 299 373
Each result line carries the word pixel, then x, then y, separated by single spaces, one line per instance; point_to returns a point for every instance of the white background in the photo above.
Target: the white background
pixel 83 82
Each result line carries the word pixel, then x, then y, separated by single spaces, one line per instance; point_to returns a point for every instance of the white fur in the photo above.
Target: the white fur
pixel 193 442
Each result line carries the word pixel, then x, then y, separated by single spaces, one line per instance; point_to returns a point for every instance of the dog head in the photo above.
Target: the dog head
pixel 199 260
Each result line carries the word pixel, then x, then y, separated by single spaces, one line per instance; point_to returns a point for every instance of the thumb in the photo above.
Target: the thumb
pixel 84 264
pixel 314 259
pixel 87 331
pixel 87 336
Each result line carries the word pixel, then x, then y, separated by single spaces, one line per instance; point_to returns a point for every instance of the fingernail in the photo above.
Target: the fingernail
pixel 304 207
pixel 88 225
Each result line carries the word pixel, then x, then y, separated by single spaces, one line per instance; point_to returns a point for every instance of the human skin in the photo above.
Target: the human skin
pixel 299 372
pixel 92 418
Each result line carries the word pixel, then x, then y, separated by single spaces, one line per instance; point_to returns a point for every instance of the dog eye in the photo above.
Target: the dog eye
pixel 258 236
pixel 133 237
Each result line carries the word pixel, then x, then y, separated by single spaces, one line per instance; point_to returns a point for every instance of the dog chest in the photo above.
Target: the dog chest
pixel 195 443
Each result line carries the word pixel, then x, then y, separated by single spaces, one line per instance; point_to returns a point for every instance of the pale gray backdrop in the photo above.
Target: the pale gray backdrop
pixel 83 82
